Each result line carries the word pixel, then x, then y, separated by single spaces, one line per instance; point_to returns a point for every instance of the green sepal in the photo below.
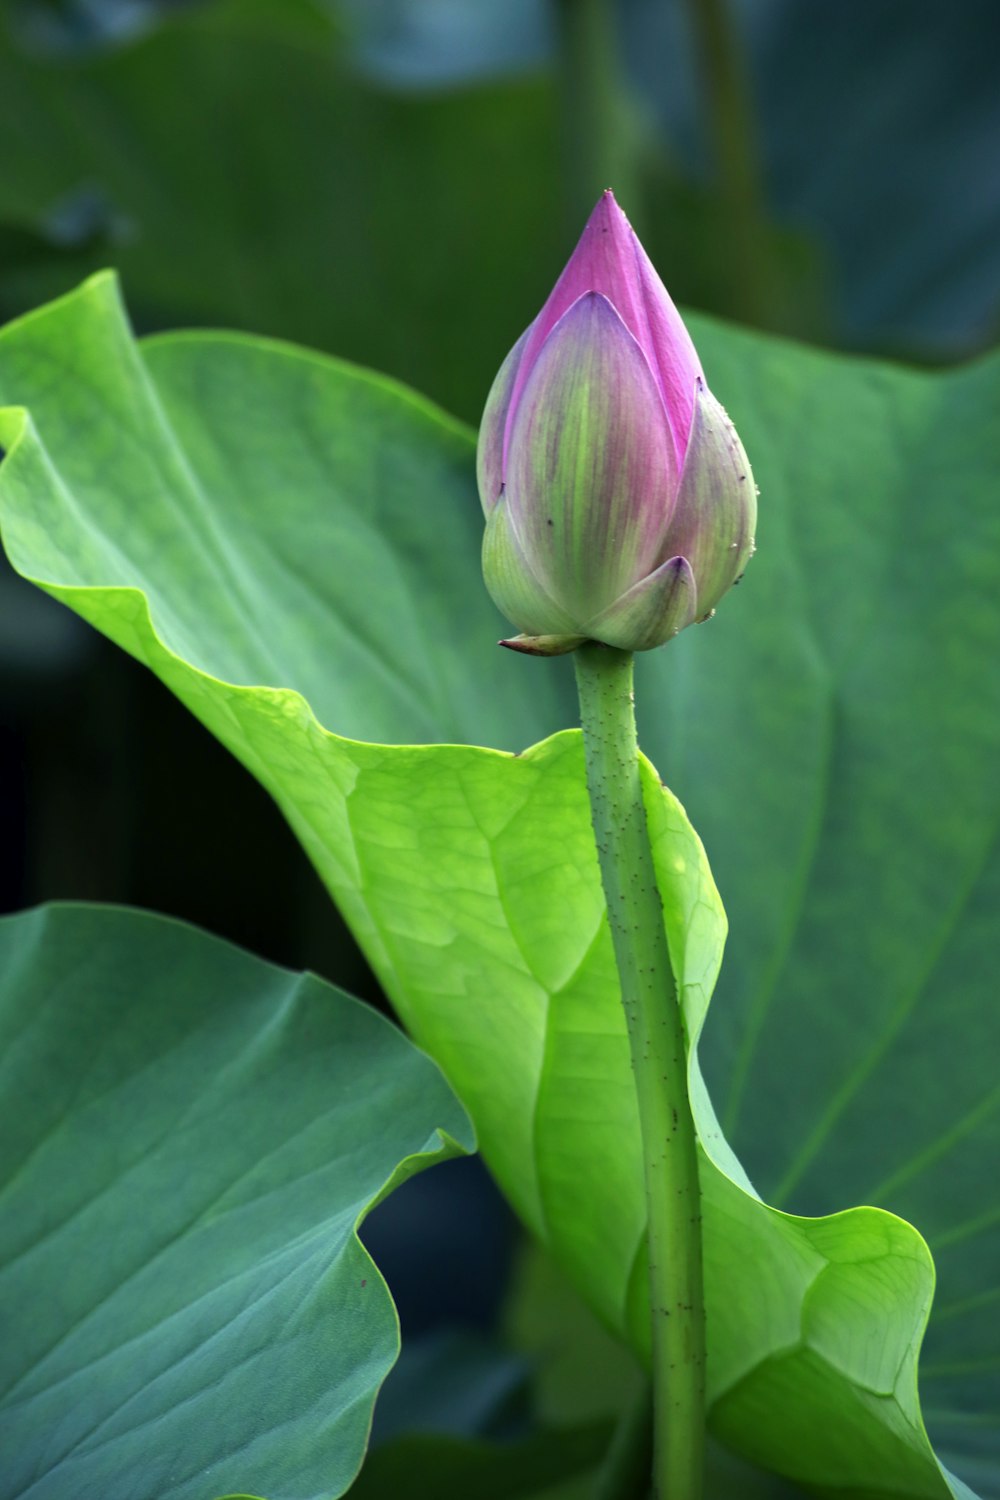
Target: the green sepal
pixel 513 584
pixel 544 645
pixel 652 612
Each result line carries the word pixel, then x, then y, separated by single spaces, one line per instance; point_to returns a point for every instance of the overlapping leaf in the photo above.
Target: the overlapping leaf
pixel 191 1139
pixel 236 514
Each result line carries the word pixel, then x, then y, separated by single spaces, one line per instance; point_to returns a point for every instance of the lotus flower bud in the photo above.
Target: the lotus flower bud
pixel 619 502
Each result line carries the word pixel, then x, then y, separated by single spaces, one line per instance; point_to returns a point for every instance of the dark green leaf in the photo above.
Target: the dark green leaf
pixel 192 1137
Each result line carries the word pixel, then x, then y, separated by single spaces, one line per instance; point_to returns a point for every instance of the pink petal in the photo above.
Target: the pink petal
pixel 591 474
pixel 670 352
pixel 609 259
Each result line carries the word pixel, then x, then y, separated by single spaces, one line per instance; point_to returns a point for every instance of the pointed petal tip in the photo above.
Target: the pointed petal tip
pixel 600 305
pixel 607 214
pixel 610 217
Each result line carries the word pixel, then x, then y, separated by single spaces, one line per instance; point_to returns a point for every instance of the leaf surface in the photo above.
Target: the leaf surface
pixel 192 1138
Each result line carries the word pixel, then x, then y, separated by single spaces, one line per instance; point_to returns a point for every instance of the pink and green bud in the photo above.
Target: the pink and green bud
pixel 619 502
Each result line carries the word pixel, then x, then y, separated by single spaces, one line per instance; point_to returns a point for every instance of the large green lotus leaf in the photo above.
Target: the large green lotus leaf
pixel 836 733
pixel 238 513
pixel 191 1139
pixel 581 1371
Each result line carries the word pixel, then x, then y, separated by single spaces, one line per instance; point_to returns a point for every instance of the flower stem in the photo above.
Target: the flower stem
pixel 659 1063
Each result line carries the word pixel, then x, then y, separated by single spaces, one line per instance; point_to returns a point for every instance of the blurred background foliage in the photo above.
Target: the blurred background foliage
pixel 398 182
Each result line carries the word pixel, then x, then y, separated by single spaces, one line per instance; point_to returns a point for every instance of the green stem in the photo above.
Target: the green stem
pixel 600 133
pixel 659 1063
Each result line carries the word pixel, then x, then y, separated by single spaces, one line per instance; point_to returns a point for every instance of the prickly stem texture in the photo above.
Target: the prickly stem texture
pixel 659 1063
